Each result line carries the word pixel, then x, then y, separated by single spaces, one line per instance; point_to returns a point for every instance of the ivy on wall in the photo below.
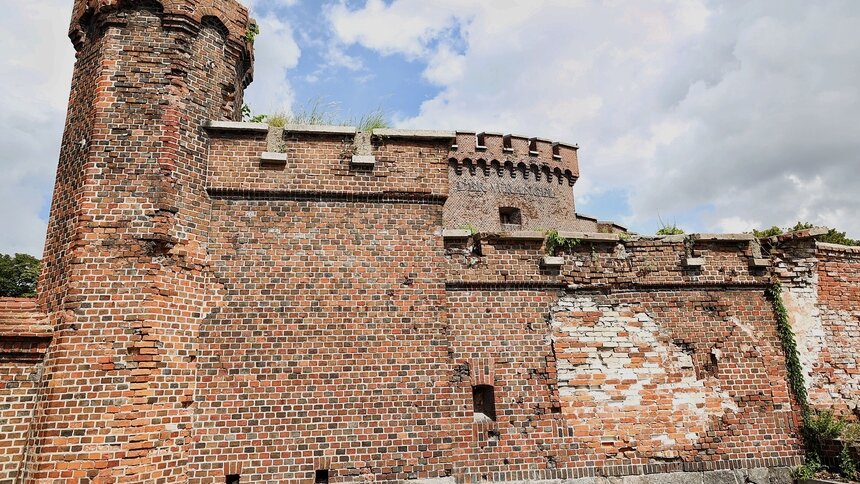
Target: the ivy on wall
pixel 789 346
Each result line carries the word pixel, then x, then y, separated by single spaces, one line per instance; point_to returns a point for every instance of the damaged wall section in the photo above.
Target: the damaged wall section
pixel 692 375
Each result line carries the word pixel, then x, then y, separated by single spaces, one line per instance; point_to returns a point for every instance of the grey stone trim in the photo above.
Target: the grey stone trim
pixel 319 129
pixel 693 262
pixel 723 237
pixel 235 126
pixel 552 261
pixel 591 236
pixel 456 234
pixel 414 133
pixel 367 161
pixel 523 235
pixel 838 248
pixel 270 158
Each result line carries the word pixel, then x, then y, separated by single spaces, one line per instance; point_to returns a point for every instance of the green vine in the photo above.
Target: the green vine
pixel 789 345
pixel 818 426
pixel 556 243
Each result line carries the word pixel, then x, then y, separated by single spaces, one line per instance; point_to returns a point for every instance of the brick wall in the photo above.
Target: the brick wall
pixel 839 305
pixel 328 350
pixel 24 337
pixel 821 290
pixel 216 314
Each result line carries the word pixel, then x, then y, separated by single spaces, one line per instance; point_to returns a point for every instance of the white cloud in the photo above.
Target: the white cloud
pixel 688 106
pixel 258 4
pixel 33 100
pixel 402 27
pixel 276 53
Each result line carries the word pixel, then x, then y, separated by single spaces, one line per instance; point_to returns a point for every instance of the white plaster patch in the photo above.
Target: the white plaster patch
pixel 618 370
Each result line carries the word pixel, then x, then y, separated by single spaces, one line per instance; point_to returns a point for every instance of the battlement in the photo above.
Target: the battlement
pixel 529 156
pixel 489 181
pixel 229 16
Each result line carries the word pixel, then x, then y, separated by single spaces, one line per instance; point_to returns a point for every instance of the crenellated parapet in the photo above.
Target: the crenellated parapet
pixel 228 16
pixel 489 182
pixel 533 158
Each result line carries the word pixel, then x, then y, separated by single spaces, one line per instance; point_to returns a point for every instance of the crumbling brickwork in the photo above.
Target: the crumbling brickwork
pixel 823 298
pixel 233 302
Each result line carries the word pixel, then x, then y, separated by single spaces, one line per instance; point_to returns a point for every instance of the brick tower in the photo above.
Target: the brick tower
pixel 126 279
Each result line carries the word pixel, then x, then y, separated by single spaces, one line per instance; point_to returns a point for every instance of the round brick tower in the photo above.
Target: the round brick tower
pixel 126 280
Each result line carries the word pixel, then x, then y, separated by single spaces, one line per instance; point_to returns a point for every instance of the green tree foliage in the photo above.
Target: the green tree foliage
pixel 18 275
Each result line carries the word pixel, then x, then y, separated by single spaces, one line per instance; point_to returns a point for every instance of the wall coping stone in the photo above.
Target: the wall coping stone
pixel 796 235
pixel 319 129
pixel 591 236
pixel 235 126
pixel 838 248
pixel 414 133
pixel 723 237
pixel 523 235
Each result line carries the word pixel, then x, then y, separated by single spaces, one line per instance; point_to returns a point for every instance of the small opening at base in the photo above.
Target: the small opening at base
pixel 321 476
pixel 232 479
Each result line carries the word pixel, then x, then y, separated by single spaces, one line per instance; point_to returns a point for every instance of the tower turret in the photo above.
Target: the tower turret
pixel 126 279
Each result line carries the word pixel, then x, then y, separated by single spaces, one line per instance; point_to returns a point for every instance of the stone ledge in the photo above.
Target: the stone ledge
pixel 235 126
pixel 799 234
pixel 414 133
pixel 759 262
pixel 723 237
pixel 523 235
pixel 693 262
pixel 456 234
pixel 552 261
pixel 591 236
pixel 319 129
pixel 838 248
pixel 272 158
pixel 364 161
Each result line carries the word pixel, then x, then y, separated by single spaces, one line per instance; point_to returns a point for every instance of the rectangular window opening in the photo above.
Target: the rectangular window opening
pixel 510 217
pixel 484 403
pixel 232 479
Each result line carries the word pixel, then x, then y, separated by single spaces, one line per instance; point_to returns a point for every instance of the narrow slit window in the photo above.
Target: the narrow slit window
pixel 321 476
pixel 510 217
pixel 484 403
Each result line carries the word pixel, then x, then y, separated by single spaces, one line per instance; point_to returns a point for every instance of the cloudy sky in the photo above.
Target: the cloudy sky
pixel 715 115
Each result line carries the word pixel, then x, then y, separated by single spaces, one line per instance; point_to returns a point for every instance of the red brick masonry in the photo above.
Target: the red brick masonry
pixel 225 300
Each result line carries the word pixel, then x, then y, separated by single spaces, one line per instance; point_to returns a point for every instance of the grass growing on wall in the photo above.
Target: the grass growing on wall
pixel 317 112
